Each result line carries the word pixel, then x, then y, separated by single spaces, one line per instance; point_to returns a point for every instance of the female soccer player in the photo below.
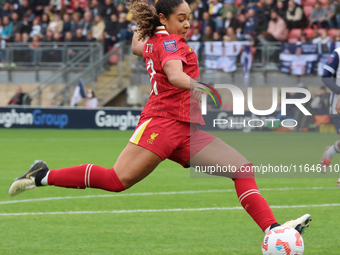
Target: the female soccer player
pixel 168 123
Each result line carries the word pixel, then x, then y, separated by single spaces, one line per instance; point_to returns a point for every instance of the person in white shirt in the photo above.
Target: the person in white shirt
pixel 91 100
pixel 298 66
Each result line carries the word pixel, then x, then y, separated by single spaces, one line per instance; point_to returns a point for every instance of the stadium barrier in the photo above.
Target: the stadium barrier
pixel 124 118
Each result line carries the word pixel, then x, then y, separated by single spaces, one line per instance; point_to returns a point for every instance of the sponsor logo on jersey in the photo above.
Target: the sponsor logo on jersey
pixel 170 46
pixel 152 138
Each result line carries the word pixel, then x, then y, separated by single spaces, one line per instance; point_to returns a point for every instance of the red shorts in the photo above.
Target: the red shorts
pixel 172 139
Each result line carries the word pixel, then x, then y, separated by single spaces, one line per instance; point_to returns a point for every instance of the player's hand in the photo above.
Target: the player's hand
pixel 337 106
pixel 197 94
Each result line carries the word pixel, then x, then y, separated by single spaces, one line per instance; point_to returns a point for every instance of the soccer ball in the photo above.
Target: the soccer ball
pixel 283 240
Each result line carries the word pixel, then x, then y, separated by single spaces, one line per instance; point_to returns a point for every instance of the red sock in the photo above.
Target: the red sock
pixel 251 199
pixel 83 176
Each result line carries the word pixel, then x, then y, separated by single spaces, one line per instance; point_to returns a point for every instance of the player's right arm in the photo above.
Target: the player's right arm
pixel 329 69
pixel 174 71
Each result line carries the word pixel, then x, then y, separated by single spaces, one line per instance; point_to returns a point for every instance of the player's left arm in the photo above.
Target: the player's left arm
pixel 137 46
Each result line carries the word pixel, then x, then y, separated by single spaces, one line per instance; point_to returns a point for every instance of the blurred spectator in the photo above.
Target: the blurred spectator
pixel 45 20
pixel 277 30
pixel 217 37
pixel 6 10
pixel 26 26
pixel 108 9
pixel 17 38
pixel 320 103
pixel 23 8
pixel 323 38
pixel 66 24
pixel 25 37
pixel 38 6
pixel 230 35
pixel 196 37
pixel 7 28
pixel 195 24
pixel 268 6
pixel 48 37
pixel 19 98
pixel 207 22
pixel 56 25
pixel 197 11
pixel 95 8
pixel 214 11
pixel 228 7
pixel 35 42
pixel 240 29
pixel 110 32
pixel 120 9
pixel 89 36
pixel 281 9
pixel 36 28
pixel 250 24
pixel 294 15
pixel 77 8
pixel 98 27
pixel 318 16
pixel 304 38
pixel 91 100
pixel 260 27
pixel 47 10
pixel 58 37
pixel 87 23
pixel 79 36
pixel 16 28
pixel 330 12
pixel 123 27
pixel 208 35
pixel 68 37
pixel 298 65
pixel 76 22
pixel 230 21
pixel 214 8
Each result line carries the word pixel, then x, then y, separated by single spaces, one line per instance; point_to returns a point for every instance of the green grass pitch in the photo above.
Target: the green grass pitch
pixel 159 232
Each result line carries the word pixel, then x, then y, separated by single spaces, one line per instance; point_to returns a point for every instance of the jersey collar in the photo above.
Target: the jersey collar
pixel 161 30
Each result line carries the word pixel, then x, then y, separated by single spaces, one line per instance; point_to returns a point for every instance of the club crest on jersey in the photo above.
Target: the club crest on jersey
pixel 152 138
pixel 170 46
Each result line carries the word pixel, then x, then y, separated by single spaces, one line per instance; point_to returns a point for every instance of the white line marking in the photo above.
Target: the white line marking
pixel 162 210
pixel 155 193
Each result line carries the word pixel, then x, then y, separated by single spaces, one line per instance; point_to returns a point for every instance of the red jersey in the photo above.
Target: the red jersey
pixel 165 99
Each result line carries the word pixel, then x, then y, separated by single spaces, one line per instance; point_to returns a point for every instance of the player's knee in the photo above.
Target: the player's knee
pixel 127 181
pixel 245 171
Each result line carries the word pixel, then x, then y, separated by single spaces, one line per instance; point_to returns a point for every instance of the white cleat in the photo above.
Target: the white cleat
pixel 21 185
pixel 27 180
pixel 300 223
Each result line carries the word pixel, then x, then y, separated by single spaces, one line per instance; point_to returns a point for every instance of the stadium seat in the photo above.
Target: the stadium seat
pixel 307 10
pixel 293 40
pixel 331 32
pixel 295 33
pixel 309 32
